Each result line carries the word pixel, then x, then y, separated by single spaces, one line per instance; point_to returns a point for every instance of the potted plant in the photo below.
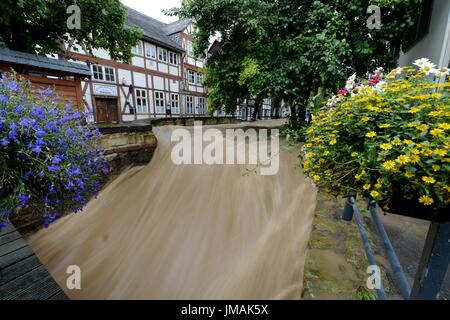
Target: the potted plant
pixel 51 161
pixel 386 138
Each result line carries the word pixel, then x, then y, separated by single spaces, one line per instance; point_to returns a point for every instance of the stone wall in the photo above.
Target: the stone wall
pixel 128 145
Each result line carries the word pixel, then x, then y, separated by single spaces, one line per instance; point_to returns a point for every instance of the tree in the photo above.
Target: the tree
pixel 40 26
pixel 291 49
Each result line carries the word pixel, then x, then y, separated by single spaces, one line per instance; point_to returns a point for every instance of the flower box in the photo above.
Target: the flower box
pixel 411 208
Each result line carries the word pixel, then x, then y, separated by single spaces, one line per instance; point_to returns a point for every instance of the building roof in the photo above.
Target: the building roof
pixel 153 29
pixel 177 26
pixel 43 62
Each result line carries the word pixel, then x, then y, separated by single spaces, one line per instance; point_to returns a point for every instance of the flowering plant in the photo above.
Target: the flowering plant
pixel 386 135
pixel 51 162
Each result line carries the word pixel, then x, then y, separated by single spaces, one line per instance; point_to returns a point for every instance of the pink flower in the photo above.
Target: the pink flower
pixel 374 80
pixel 342 92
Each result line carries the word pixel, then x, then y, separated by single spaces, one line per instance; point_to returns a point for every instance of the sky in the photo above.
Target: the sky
pixel 153 8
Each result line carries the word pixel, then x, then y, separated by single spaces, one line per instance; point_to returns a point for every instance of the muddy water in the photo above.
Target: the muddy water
pixel 187 232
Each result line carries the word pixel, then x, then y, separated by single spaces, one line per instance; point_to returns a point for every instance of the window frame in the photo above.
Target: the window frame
pixel 162 52
pixel 175 109
pixel 111 74
pixel 99 71
pixel 199 79
pixel 138 49
pixel 160 102
pixel 142 96
pixel 194 77
pixel 150 47
pixel 201 105
pixel 173 58
pixel 190 100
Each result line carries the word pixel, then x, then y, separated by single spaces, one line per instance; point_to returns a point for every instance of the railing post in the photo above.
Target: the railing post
pixel 347 214
pixel 433 263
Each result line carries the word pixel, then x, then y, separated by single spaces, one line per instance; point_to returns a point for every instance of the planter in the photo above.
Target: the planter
pixel 411 208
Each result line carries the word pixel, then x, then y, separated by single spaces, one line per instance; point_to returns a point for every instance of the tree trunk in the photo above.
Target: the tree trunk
pixel 276 103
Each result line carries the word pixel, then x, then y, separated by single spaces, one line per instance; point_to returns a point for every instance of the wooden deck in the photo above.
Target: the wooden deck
pixel 22 275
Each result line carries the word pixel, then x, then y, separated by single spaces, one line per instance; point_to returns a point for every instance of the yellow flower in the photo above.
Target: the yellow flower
pixel 366 186
pixel 325 153
pixel 440 152
pixel 422 127
pixel 435 167
pixel 414 110
pixel 374 194
pixel 396 142
pixel 409 174
pixel 365 119
pixel 378 186
pixel 415 158
pixel 444 126
pixel 316 177
pixel 354 154
pixel 371 134
pixel 332 142
pixel 403 159
pixel 436 132
pixel 384 125
pixel 426 200
pixel 429 180
pixel 408 142
pixel 385 146
pixel 390 165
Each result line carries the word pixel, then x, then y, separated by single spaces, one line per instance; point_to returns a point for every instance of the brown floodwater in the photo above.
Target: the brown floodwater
pixel 168 231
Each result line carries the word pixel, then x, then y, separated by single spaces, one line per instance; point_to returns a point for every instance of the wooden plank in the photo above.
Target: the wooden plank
pixel 12 246
pixel 19 268
pixel 60 295
pixel 9 237
pixel 8 229
pixel 26 283
pixel 15 256
pixel 41 290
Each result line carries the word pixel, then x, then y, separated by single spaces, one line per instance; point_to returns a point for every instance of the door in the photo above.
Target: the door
pixel 106 110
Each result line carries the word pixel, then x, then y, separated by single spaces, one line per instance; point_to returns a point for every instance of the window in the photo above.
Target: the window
pixel 141 101
pixel 189 104
pixel 189 48
pixel 103 73
pixel 162 55
pixel 174 100
pixel 97 72
pixel 150 51
pixel 109 74
pixel 191 76
pixel 137 49
pixel 159 102
pixel 201 106
pixel 173 58
pixel 199 79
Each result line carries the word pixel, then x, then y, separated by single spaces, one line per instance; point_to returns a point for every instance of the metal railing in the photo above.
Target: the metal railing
pixel 433 263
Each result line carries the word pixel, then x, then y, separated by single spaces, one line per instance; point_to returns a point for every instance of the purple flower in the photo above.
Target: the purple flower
pixel 56 160
pixel 23 200
pixel 53 168
pixel 40 133
pixel 12 86
pixel 3 98
pixel 4 142
pixel 36 149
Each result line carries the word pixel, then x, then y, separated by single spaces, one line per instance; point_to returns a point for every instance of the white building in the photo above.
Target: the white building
pixel 162 79
pixel 432 36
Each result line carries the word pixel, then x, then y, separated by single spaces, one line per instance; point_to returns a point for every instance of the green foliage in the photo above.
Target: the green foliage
pixel 364 294
pixel 39 26
pixel 291 48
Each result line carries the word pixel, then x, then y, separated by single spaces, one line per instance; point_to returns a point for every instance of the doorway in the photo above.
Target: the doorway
pixel 106 110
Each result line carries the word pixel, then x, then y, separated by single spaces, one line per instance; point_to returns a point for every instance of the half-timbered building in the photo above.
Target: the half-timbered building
pixel 163 79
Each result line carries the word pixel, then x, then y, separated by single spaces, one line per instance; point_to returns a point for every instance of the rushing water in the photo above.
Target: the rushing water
pixel 187 232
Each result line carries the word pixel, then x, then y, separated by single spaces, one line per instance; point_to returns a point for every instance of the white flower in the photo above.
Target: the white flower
pixel 442 72
pixel 420 62
pixel 428 67
pixel 350 85
pixel 381 86
pixel 398 71
pixel 352 78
